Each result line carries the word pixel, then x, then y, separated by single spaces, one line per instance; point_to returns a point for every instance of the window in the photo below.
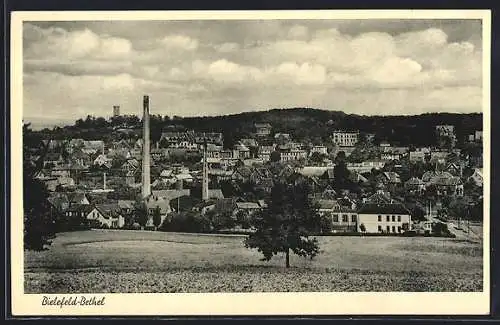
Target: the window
pixel 379 228
pixel 379 218
pixel 393 218
pixel 388 229
pixel 353 218
pixel 345 217
pixel 393 229
pixel 335 218
pixel 388 218
pixel 399 218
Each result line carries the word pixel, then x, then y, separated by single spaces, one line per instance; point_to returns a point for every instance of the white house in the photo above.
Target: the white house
pixel 107 214
pixel 345 138
pixel 384 218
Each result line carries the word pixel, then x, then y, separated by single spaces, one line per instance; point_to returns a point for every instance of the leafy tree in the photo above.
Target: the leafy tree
pixel 286 224
pixel 317 157
pixel 141 213
pixel 275 156
pixel 39 217
pixel 157 217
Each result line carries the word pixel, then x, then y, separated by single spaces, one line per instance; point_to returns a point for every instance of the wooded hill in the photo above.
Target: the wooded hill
pixel 304 124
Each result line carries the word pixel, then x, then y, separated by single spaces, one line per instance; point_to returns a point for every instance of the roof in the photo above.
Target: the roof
pixel 76 196
pixel 170 194
pixel 327 204
pixel 126 204
pixel 378 198
pixel 215 194
pixel 109 210
pixel 247 205
pixel 86 208
pixel 414 181
pixel 262 125
pixel 313 171
pixel 383 208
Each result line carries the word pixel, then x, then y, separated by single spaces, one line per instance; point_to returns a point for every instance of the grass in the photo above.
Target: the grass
pixel 138 261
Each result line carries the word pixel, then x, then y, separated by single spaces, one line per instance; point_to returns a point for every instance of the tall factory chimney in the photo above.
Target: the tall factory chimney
pixel 204 182
pixel 146 180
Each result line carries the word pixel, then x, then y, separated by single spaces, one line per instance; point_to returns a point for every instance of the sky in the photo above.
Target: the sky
pixel 215 67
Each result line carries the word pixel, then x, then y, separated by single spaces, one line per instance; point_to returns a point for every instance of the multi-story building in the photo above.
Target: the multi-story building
pixel 262 129
pixel 345 138
pixel 384 218
pixel 445 136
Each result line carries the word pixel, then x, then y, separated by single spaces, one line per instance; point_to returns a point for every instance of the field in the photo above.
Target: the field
pixel 106 261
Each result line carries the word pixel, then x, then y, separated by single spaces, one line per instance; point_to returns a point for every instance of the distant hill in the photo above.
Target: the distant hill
pixel 302 123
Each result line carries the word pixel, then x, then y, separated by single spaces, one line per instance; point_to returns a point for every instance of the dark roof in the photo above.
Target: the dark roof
pixel 383 208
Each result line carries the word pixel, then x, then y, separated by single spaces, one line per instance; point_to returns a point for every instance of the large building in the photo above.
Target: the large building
pixel 391 218
pixel 345 138
pixel 445 136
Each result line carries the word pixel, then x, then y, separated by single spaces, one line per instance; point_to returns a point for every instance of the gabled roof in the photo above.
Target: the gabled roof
pixel 327 204
pixel 381 208
pixel 247 205
pixel 126 204
pixel 215 194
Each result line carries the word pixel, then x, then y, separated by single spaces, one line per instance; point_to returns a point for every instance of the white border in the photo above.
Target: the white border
pixel 241 303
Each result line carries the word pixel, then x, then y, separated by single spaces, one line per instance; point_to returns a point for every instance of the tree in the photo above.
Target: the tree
pixel 286 224
pixel 141 213
pixel 157 217
pixel 275 156
pixel 39 217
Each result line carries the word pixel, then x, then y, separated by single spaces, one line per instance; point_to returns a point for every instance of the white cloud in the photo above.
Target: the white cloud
pixel 74 45
pixel 180 42
pixel 81 69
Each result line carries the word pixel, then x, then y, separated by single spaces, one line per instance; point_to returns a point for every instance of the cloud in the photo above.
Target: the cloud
pixel 81 44
pixel 229 66
pixel 180 42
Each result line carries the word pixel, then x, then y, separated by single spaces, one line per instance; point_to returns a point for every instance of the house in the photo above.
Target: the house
pixel 78 211
pixel 264 152
pixel 77 198
pixel 126 206
pixel 248 208
pixel 103 161
pixel 415 186
pixel 154 202
pixel 108 215
pixel 447 185
pixel 282 137
pixel 322 150
pixel 345 138
pixel 292 154
pixel 91 147
pixel 53 159
pixel 343 218
pixel 389 178
pixel 365 166
pixel 384 218
pixel 418 155
pixel 243 152
pixel 262 129
pixel 130 165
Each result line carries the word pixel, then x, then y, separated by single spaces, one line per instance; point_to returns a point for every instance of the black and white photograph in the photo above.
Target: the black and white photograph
pixel 253 155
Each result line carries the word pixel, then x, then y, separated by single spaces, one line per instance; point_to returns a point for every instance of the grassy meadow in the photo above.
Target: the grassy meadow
pixel 107 261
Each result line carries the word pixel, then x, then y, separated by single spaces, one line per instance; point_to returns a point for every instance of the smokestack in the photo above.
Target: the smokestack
pixel 104 187
pixel 146 180
pixel 204 186
pixel 179 184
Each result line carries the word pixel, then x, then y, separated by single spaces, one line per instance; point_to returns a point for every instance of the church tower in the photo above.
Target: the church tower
pixel 146 163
